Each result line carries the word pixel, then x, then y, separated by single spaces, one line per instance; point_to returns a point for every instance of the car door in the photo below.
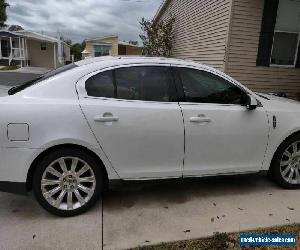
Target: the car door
pixel 134 113
pixel 221 134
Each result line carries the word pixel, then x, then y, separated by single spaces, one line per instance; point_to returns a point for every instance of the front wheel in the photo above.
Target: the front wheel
pixel 68 182
pixel 285 167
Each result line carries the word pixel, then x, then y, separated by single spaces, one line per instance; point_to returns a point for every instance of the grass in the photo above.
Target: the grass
pixel 224 241
pixel 11 67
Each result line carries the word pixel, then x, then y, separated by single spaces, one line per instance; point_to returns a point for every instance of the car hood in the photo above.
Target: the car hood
pixel 4 90
pixel 278 98
pixel 275 102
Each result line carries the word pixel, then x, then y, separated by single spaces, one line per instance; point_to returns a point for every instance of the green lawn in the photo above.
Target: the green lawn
pixel 11 67
pixel 228 241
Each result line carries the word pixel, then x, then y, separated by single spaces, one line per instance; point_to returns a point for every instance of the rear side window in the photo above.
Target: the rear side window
pixel 147 83
pixel 143 83
pixel 101 85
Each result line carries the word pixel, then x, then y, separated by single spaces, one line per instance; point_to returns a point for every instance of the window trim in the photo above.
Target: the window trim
pixel 81 91
pixel 183 98
pixel 296 52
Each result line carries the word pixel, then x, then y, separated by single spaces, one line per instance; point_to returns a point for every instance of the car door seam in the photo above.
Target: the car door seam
pixel 184 140
pixel 97 140
pixel 79 104
pixel 268 140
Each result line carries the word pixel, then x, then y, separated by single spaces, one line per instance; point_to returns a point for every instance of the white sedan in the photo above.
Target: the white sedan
pixel 69 133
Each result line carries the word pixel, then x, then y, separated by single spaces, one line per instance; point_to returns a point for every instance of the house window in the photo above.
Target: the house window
pixel 286 34
pixel 102 50
pixel 43 46
pixel 284 48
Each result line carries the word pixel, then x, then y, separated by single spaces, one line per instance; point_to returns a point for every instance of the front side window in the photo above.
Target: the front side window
pixel 203 87
pixel 147 83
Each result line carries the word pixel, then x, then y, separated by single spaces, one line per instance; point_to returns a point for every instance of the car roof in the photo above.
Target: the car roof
pixel 118 60
pixel 134 59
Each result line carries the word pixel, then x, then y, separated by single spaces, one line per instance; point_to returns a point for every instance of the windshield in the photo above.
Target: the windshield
pixel 43 77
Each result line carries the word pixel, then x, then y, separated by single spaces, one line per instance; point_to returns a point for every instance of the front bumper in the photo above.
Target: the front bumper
pixel 13 187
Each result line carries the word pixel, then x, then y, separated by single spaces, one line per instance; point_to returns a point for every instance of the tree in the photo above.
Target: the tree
pixel 76 50
pixel 15 27
pixel 3 15
pixel 157 37
pixel 133 42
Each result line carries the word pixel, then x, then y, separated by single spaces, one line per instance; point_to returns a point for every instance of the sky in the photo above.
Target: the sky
pixel 81 19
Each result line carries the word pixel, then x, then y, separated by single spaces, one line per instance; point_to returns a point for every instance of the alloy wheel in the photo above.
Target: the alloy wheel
pixel 68 183
pixel 290 163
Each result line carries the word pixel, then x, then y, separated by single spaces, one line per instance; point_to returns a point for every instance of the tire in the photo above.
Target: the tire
pixel 285 156
pixel 68 171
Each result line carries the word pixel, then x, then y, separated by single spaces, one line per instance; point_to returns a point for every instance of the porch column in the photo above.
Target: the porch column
pixel 10 55
pixel 54 55
pixel 26 51
pixel 23 50
pixel 20 52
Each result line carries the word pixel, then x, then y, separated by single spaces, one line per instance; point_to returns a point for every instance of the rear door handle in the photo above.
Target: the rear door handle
pixel 200 119
pixel 106 118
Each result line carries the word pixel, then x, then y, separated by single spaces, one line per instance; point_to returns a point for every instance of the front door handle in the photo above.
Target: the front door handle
pixel 200 119
pixel 107 117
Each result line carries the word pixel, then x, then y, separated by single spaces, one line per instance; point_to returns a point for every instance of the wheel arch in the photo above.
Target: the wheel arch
pixel 294 133
pixel 34 164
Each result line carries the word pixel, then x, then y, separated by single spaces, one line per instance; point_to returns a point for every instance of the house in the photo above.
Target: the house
pixel 109 45
pixel 254 41
pixel 26 48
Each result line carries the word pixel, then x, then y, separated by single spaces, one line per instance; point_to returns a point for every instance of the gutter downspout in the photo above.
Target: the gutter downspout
pixel 228 39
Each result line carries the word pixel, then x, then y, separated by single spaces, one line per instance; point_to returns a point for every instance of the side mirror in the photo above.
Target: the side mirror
pixel 251 102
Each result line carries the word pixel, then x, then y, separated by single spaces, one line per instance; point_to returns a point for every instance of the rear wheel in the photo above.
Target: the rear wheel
pixel 68 182
pixel 285 167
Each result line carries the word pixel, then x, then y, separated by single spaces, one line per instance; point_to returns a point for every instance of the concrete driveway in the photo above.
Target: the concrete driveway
pixel 150 213
pixel 24 225
pixel 171 211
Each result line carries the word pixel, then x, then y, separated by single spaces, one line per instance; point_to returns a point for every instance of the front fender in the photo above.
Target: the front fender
pixel 274 143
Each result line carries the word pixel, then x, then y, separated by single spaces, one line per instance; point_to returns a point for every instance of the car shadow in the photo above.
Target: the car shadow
pixel 177 191
pixel 147 193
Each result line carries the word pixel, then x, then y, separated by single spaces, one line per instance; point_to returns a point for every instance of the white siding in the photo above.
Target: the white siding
pixel 201 29
pixel 243 41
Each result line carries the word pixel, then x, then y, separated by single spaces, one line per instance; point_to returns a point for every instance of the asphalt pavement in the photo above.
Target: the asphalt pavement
pixel 14 78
